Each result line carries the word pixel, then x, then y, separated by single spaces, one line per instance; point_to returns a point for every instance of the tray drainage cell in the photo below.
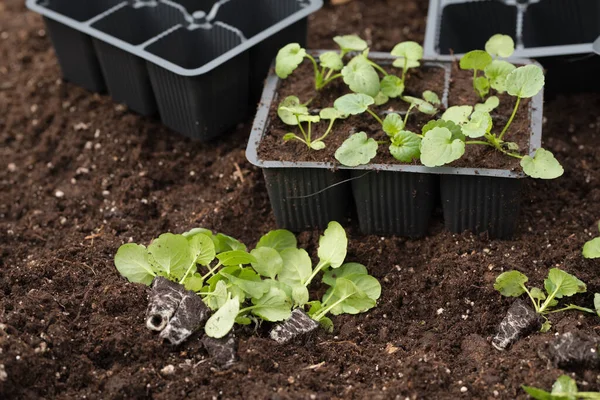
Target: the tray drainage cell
pixel 253 18
pixel 561 22
pixel 200 106
pixel 467 26
pixel 79 10
pixel 126 75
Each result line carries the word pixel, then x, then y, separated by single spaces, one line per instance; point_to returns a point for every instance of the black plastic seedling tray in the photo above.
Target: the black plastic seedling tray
pixel 198 63
pixel 391 199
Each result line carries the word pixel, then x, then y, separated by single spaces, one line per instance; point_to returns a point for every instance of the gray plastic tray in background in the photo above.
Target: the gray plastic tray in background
pixel 540 28
pixel 200 63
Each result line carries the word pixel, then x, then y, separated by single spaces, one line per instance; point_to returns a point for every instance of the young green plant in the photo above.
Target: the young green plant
pixel 330 63
pixel 591 249
pixel 557 285
pixel 291 112
pixel 565 388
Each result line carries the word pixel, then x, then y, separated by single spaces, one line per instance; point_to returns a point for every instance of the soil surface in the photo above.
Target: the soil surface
pixel 80 175
pixel 272 147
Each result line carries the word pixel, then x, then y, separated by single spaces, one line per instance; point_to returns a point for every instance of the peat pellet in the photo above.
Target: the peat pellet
pixel 574 350
pixel 164 301
pixel 520 320
pixel 222 351
pixel 189 317
pixel 298 323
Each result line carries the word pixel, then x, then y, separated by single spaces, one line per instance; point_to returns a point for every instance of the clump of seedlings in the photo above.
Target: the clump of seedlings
pixel 269 283
pixel 521 319
pixel 591 249
pixel 565 388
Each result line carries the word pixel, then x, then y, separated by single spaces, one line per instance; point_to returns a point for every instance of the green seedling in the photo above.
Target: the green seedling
pixel 442 146
pixel 591 249
pixel 565 388
pixel 291 112
pixel 495 71
pixel 404 145
pixel 330 63
pixel 261 285
pixel 558 284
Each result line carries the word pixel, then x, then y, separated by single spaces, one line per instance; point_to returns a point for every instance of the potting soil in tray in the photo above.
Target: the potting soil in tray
pixel 428 77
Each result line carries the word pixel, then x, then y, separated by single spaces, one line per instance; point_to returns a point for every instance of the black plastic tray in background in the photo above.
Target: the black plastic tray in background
pixel 394 199
pixel 199 63
pixel 558 33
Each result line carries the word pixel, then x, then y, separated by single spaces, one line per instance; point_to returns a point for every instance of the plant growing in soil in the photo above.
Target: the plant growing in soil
pixel 444 144
pixel 358 149
pixel 261 285
pixel 558 284
pixel 495 71
pixel 291 56
pixel 591 249
pixel 291 112
pixel 565 388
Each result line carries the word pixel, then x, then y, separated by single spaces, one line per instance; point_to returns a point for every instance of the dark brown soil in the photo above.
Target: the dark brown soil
pixel 301 84
pixel 80 176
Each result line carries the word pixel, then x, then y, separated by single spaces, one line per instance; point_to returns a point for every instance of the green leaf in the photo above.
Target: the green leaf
pixel 408 51
pixel 511 283
pixel 227 243
pixel 476 59
pixel 537 294
pixel 202 249
pixel 381 99
pixel 132 262
pixel 497 72
pixel 366 284
pixel 218 297
pixel 565 386
pixel 297 267
pixel 353 103
pixel 273 306
pixel 451 126
pixel 331 113
pixel 490 104
pixel 546 326
pixel 249 282
pixel 315 306
pixel 350 43
pixel 356 150
pixel 317 145
pixel 268 261
pixel 422 105
pixel 537 394
pixel 479 124
pixel 290 136
pixel 195 231
pixel 326 324
pixel 592 248
pixel 392 86
pixel 300 295
pixel 458 114
pixel 361 77
pixel 221 322
pixel 482 86
pixel 243 320
pixel 289 108
pixel 171 253
pixel 288 58
pixel 236 257
pixel 597 303
pixel 349 298
pixel 439 148
pixel 331 60
pixel 525 81
pixel 542 165
pixel 333 245
pixel 561 283
pixel 511 146
pixel 392 124
pixel 406 146
pixel 309 118
pixel 279 239
pixel 500 45
pixel 331 275
pixel 431 97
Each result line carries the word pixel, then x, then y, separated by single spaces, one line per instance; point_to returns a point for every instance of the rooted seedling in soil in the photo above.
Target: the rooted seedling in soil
pixel 565 388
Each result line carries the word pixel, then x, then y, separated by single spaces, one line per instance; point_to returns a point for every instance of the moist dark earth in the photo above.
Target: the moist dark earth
pixel 80 175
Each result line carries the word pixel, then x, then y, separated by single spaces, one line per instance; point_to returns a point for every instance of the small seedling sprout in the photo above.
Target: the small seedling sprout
pixel 558 284
pixel 565 388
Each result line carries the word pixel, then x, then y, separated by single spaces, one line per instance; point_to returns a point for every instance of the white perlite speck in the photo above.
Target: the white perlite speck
pixel 440 311
pixel 60 194
pixel 3 374
pixel 168 370
pixel 463 389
